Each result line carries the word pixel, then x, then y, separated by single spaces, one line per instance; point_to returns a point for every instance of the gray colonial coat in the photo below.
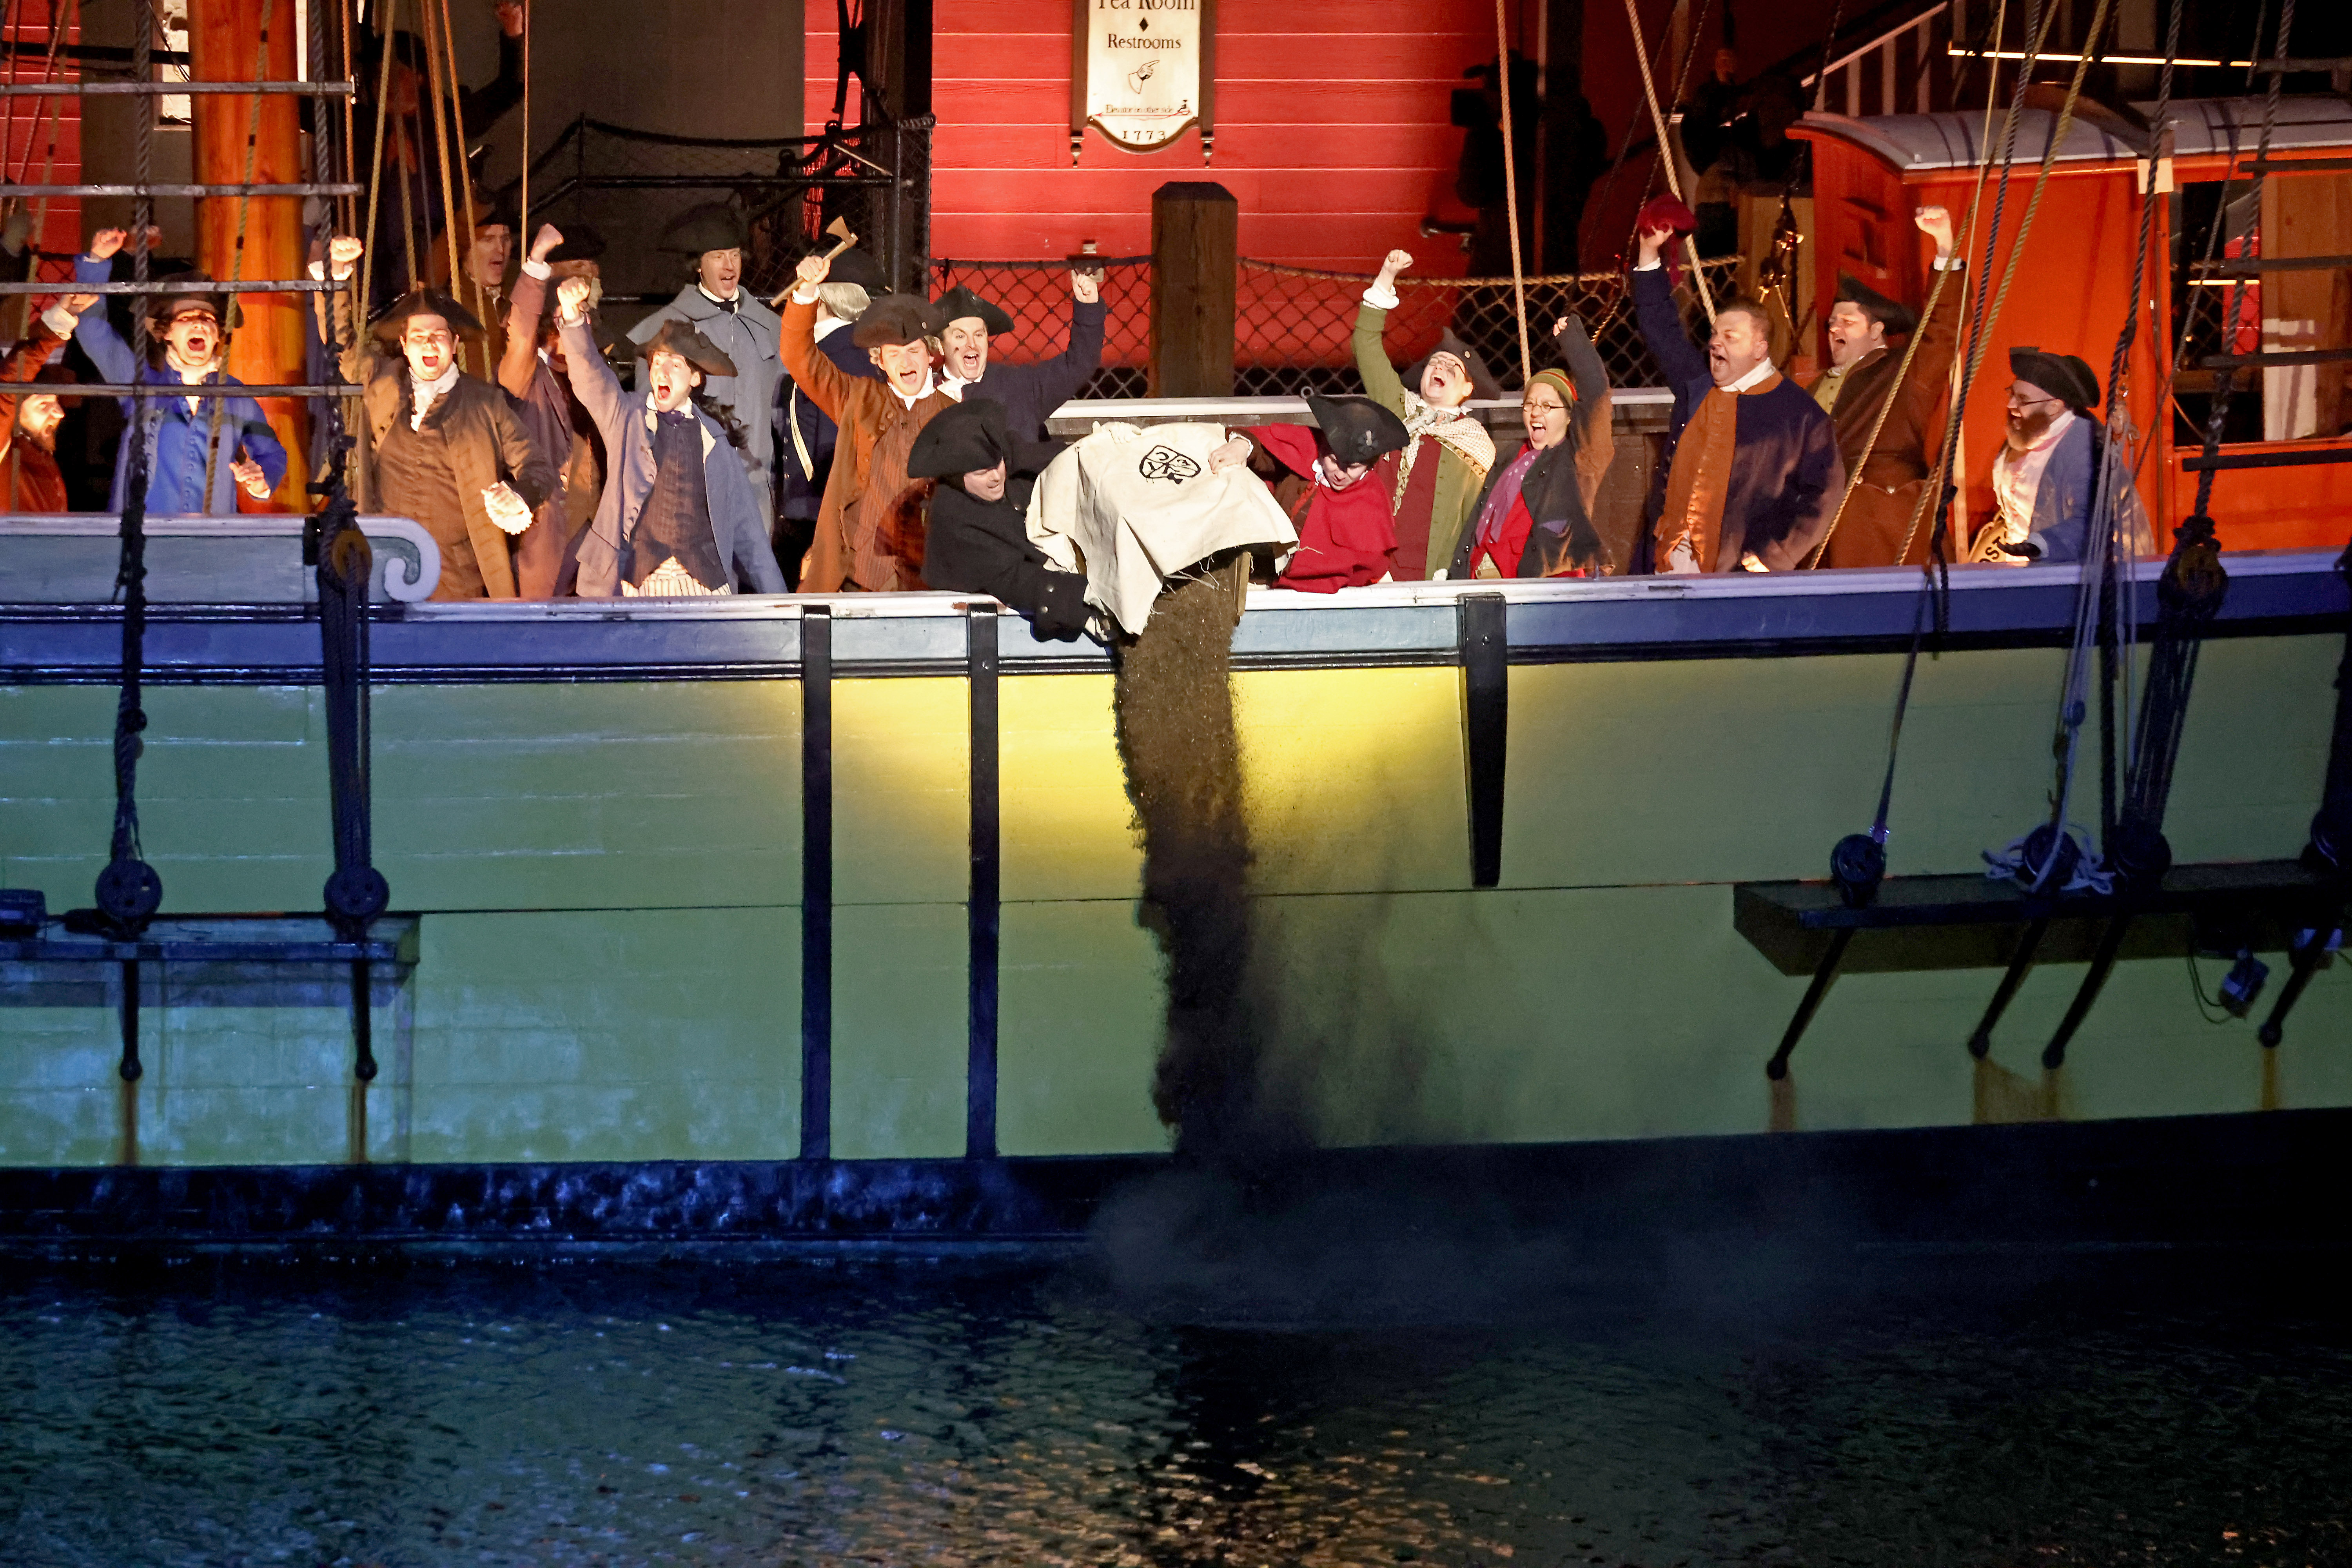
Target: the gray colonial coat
pixel 746 336
pixel 625 421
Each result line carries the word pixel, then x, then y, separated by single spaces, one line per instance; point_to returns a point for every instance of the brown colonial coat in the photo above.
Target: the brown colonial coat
pixel 1878 513
pixel 487 442
pixel 857 523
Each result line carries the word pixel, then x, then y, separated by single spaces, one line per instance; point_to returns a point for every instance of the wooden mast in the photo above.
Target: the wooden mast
pixel 225 44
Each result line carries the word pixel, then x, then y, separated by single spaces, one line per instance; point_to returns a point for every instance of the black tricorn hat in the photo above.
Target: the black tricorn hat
pixel 960 302
pixel 392 321
pixel 500 210
pixel 1357 429
pixel 2064 376
pixel 713 226
pixel 682 340
pixel 854 265
pixel 894 318
pixel 580 243
pixel 965 439
pixel 1482 381
pixel 1893 314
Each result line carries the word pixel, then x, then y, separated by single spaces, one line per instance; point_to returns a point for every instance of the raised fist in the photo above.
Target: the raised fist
pixel 814 269
pixel 344 253
pixel 75 304
pixel 1395 262
pixel 547 237
pixel 1935 223
pixel 1086 288
pixel 571 296
pixel 510 17
pixel 106 242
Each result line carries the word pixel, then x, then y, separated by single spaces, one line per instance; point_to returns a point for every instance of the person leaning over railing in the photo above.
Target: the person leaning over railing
pixel 443 447
pixel 1534 516
pixel 1028 392
pixel 28 424
pixel 185 334
pixel 1447 454
pixel 1751 474
pixel 977 541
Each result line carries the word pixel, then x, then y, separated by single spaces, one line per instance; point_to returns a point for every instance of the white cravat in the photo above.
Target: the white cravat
pixel 2017 478
pixel 1752 378
pixel 425 394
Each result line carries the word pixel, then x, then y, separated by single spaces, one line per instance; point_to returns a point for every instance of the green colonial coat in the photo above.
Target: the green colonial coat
pixel 1457 481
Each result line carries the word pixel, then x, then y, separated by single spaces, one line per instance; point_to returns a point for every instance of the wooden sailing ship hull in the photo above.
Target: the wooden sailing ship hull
pixel 595 821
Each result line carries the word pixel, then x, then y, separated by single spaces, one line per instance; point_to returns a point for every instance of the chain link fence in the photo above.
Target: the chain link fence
pixel 1296 325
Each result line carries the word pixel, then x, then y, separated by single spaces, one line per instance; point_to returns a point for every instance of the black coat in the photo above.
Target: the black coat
pixel 1563 538
pixel 1030 391
pixel 982 547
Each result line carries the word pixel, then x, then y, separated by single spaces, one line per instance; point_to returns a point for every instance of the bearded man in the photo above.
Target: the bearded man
pixel 1028 392
pixel 29 423
pixel 869 531
pixel 737 325
pixel 1750 473
pixel 200 456
pixel 678 519
pixel 2048 468
pixel 444 447
pixel 1858 385
pixel 1435 480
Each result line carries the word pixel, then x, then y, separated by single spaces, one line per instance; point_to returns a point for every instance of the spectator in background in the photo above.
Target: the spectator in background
pixel 201 452
pixel 408 212
pixel 1433 485
pixel 805 434
pixel 1479 180
pixel 678 519
pixel 869 529
pixel 740 327
pixel 485 289
pixel 29 423
pixel 444 448
pixel 1028 392
pixel 1751 474
pixel 1534 516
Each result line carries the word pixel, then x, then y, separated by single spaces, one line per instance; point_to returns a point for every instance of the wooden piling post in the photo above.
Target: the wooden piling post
pixel 1193 229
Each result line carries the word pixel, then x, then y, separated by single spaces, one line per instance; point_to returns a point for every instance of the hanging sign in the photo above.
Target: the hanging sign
pixel 1141 71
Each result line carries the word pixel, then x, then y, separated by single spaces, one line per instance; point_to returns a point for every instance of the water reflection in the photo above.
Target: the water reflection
pixel 933 1414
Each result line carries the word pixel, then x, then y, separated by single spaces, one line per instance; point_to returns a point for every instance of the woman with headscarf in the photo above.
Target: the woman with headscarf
pixel 1433 483
pixel 1534 518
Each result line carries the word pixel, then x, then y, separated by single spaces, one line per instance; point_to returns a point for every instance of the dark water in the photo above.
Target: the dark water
pixel 1029 1412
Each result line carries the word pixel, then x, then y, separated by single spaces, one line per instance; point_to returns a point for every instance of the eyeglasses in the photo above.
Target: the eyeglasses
pixel 2017 402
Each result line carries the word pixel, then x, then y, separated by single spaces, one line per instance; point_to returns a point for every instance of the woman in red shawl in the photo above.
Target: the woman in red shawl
pixel 1346 534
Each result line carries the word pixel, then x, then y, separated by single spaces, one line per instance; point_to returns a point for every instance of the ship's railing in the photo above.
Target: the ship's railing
pixel 67 558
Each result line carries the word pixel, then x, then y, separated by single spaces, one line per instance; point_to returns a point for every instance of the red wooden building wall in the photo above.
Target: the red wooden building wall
pixel 1331 131
pixel 43 135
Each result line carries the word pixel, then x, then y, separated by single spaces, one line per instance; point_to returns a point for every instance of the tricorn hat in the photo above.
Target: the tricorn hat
pixel 1482 381
pixel 392 321
pixel 854 265
pixel 580 243
pixel 162 309
pixel 681 339
pixel 1892 314
pixel 2064 376
pixel 713 226
pixel 960 302
pixel 1357 429
pixel 501 212
pixel 893 319
pixel 965 439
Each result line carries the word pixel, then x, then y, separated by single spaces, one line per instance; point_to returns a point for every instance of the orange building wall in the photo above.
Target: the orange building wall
pixel 1331 131
pixel 43 135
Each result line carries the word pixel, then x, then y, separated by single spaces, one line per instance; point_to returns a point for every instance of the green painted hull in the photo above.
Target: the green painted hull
pixel 606 879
